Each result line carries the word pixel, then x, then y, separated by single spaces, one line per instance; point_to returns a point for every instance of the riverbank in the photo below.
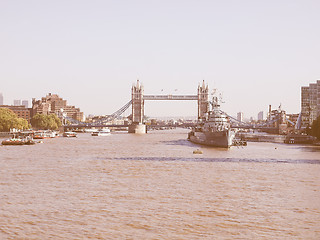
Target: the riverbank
pixel 289 139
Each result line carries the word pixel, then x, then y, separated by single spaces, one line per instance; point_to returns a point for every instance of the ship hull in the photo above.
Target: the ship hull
pixel 223 139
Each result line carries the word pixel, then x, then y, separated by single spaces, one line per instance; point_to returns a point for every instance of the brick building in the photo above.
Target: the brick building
pixel 53 104
pixel 21 111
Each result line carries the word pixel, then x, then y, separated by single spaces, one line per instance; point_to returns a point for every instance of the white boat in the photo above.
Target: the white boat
pixel 90 130
pixel 42 134
pixel 102 132
pixel 70 134
pixel 51 134
pixel 215 130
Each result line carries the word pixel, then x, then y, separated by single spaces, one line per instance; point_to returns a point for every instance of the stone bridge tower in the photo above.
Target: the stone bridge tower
pixel 137 109
pixel 137 103
pixel 203 101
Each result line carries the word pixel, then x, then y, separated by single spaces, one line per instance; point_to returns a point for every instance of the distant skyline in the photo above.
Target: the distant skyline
pixel 91 52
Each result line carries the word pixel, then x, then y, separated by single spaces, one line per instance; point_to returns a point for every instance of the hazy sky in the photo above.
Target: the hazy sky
pixel 91 52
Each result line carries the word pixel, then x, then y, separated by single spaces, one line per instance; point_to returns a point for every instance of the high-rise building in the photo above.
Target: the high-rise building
pixel 310 103
pixel 1 99
pixel 240 116
pixel 260 116
pixel 25 103
pixel 16 102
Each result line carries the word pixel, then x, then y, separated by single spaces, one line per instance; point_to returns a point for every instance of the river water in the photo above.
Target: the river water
pixel 152 186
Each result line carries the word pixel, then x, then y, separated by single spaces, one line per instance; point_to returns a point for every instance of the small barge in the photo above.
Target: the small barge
pixel 21 139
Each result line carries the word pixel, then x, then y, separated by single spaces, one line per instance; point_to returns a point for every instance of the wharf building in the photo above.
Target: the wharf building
pixel 310 104
pixel 277 119
pixel 53 104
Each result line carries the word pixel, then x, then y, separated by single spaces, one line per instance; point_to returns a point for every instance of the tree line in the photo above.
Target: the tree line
pixel 9 120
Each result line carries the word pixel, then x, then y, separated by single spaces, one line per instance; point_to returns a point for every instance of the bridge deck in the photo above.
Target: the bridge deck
pixel 170 97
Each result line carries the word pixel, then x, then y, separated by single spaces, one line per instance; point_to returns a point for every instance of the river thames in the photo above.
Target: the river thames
pixel 152 186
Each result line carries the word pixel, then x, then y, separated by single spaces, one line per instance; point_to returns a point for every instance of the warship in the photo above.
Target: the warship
pixel 215 130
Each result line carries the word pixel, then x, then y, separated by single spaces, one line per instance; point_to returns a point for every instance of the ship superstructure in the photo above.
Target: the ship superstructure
pixel 215 129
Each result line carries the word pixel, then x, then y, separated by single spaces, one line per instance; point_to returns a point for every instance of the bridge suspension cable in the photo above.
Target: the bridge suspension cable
pixel 103 120
pixel 117 113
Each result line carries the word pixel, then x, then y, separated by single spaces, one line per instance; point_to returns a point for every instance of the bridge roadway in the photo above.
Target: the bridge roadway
pixel 170 97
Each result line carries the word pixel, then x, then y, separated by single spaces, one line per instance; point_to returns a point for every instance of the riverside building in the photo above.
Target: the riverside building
pixel 310 103
pixel 20 111
pixel 53 104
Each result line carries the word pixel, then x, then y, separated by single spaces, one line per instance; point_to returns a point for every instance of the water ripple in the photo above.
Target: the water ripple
pixel 236 160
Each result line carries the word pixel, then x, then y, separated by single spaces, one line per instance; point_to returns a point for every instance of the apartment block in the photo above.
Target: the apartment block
pixel 53 104
pixel 310 103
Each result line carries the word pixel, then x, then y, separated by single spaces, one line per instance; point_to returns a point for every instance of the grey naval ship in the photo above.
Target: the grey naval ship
pixel 215 129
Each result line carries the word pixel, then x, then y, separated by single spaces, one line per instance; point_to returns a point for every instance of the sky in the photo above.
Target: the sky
pixel 90 53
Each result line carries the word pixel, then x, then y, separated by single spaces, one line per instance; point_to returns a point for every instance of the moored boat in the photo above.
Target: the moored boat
pixel 39 135
pixel 18 141
pixel 70 134
pixel 52 134
pixel 102 132
pixel 42 134
pixel 215 130
pixel 90 130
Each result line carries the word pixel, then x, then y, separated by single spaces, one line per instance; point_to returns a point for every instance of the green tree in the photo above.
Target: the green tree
pixel 38 121
pixel 315 128
pixel 42 121
pixel 9 120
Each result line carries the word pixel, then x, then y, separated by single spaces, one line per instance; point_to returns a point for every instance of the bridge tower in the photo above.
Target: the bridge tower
pixel 203 101
pixel 137 103
pixel 137 125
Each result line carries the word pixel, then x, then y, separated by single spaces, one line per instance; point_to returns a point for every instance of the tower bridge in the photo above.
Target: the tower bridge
pixel 138 99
